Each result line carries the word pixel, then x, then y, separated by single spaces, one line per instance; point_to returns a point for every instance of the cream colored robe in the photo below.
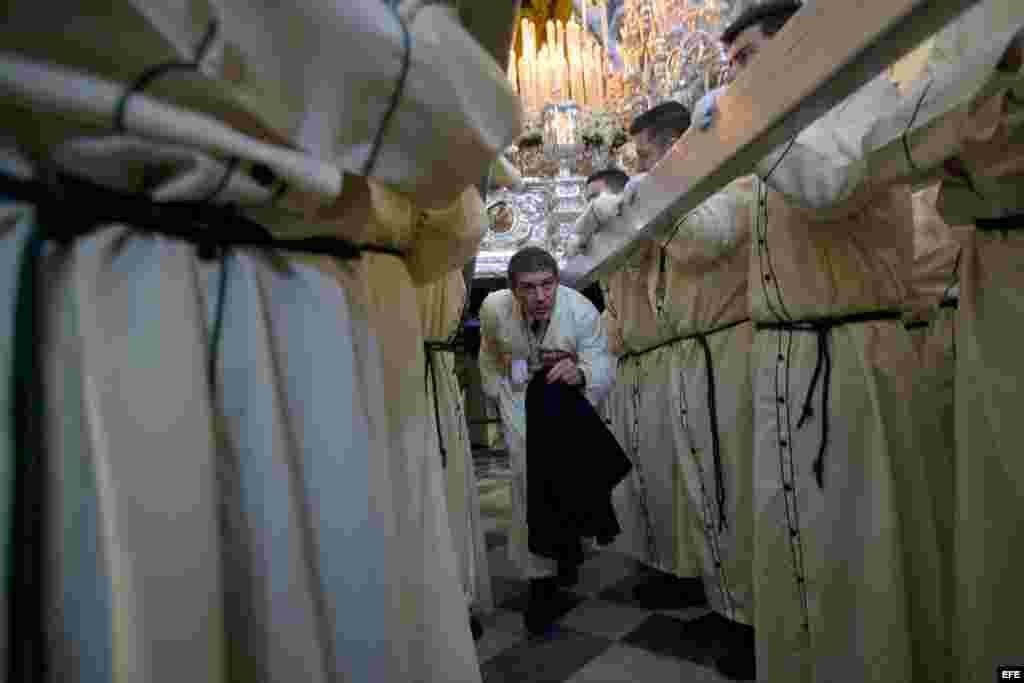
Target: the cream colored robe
pixel 653 508
pixel 308 482
pixel 847 584
pixel 705 292
pixel 965 108
pixel 932 327
pixel 441 305
pixel 422 569
pixel 575 325
pixel 989 507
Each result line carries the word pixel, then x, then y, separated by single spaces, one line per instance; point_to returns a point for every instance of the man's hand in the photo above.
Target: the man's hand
pixel 629 192
pixel 606 205
pixel 1013 58
pixel 519 373
pixel 706 108
pixel 566 371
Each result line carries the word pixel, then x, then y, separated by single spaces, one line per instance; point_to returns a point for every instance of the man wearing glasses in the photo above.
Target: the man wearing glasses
pixel 539 328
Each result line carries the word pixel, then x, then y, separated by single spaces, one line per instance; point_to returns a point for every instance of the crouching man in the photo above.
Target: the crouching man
pixel 544 351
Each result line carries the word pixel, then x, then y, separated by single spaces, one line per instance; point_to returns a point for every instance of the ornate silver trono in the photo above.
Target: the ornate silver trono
pixel 542 214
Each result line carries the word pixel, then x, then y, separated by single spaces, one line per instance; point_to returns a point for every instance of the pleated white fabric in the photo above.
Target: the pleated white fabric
pixel 660 525
pixel 286 522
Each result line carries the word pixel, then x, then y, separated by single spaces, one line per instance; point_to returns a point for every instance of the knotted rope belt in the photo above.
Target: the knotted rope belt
pixel 429 348
pixel 945 303
pixel 822 327
pixel 1014 222
pixel 712 401
pixel 66 211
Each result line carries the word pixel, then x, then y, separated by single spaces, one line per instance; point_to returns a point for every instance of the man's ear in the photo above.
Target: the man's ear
pixel 1013 58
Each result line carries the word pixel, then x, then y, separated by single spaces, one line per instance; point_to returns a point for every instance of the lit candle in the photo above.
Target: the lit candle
pixel 586 59
pixel 525 84
pixel 560 63
pixel 581 47
pixel 547 73
pixel 572 58
pixel 512 72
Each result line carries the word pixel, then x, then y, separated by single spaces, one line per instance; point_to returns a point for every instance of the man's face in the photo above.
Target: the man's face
pixel 595 188
pixel 648 151
pixel 742 51
pixel 536 293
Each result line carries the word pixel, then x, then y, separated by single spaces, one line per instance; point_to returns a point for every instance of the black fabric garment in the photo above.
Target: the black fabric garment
pixel 573 462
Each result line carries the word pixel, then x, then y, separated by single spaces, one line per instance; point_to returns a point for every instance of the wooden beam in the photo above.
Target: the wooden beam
pixel 828 50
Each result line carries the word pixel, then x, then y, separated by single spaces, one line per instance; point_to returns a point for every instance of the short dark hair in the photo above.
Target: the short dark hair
pixel 614 178
pixel 666 121
pixel 530 260
pixel 770 16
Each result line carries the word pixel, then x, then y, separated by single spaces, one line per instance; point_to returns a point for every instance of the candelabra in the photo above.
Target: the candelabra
pixel 666 45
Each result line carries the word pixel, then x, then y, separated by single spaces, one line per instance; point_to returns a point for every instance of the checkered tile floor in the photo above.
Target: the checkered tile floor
pixel 603 636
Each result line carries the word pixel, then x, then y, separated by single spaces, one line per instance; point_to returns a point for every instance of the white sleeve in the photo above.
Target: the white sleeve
pixel 714 224
pixel 596 362
pixel 597 212
pixel 864 136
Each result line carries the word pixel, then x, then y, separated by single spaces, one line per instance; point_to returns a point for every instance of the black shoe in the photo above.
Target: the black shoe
pixel 547 604
pixel 664 591
pixel 738 666
pixel 710 632
pixel 568 575
pixel 740 662
pixel 476 627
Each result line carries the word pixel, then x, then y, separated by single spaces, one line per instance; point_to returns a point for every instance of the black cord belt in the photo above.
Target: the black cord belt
pixel 442 346
pixel 823 367
pixel 429 348
pixel 637 354
pixel 1014 222
pixel 948 302
pixel 66 210
pixel 709 368
pixel 210 227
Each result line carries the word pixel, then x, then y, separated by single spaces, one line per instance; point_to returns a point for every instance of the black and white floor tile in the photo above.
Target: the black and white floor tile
pixel 604 636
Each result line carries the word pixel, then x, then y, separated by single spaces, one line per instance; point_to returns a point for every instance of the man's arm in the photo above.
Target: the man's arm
pixel 836 155
pixel 613 330
pixel 595 361
pixel 603 207
pixel 712 229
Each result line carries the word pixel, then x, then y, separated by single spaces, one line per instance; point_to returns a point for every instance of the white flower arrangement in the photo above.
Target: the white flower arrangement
pixel 600 128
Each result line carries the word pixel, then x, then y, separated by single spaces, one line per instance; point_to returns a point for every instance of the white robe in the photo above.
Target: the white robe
pixel 575 325
pixel 705 293
pixel 964 107
pixel 289 523
pixel 652 504
pixel 847 586
pixel 988 469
